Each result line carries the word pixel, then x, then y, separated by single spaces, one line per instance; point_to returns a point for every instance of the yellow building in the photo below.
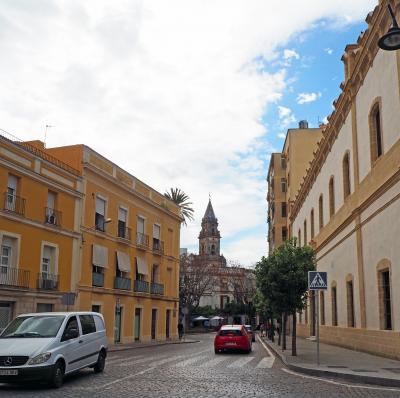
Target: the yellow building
pixel 285 174
pixel 39 229
pixel 130 250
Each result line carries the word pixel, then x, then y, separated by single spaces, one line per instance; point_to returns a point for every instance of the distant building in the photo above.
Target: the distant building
pixel 183 250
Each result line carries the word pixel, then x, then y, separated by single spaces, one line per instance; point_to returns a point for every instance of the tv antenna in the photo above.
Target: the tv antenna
pixel 48 126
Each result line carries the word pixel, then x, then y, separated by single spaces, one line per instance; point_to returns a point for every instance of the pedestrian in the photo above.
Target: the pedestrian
pixel 262 330
pixel 180 330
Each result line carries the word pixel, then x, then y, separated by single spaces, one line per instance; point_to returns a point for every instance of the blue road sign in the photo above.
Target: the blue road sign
pixel 317 280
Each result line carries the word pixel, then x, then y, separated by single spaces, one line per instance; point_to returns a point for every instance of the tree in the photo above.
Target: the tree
pixel 282 279
pixel 182 200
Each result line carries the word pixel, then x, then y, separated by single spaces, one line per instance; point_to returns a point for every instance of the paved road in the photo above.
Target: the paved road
pixel 193 370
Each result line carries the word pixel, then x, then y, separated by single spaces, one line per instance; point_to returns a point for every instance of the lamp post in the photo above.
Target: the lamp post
pixel 391 40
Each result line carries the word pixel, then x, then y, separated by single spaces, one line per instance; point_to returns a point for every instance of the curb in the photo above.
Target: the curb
pixel 374 380
pixel 151 345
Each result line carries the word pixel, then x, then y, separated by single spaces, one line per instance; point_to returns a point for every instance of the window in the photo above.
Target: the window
pixel 122 218
pixel 96 308
pixel 156 237
pixel 283 162
pixel 350 304
pixel 87 323
pixel 312 224
pixel 331 197
pixel 321 211
pixel 284 210
pixel 154 273
pixel 12 184
pixel 51 214
pixel 44 307
pixel 305 232
pixel 334 306
pixel 385 298
pixel 213 250
pixel 284 234
pixel 322 306
pixel 100 214
pixel 375 131
pixel 283 184
pixel 7 254
pixel 299 238
pixel 48 261
pixel 346 176
pixel 72 325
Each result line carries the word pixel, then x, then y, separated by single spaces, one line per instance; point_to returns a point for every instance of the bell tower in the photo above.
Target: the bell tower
pixel 209 238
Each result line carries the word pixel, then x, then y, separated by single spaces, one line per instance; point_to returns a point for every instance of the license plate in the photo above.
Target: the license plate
pixel 8 372
pixel 230 343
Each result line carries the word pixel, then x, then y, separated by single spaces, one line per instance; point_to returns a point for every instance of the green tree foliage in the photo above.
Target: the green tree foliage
pixel 282 279
pixel 182 200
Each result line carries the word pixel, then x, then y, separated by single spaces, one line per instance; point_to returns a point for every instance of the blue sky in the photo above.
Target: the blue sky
pixel 180 93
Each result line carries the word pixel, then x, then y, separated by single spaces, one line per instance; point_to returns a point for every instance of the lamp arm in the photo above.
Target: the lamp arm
pixel 395 24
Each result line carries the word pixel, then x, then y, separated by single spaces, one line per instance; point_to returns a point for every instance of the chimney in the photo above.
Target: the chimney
pixel 303 124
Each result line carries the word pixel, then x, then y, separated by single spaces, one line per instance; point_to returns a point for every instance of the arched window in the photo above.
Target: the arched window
pixel 350 302
pixel 321 211
pixel 322 306
pixel 305 232
pixel 212 249
pixel 375 131
pixel 312 223
pixel 331 197
pixel 334 304
pixel 385 294
pixel 346 175
pixel 299 238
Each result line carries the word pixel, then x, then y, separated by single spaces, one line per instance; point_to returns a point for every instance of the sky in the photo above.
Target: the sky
pixel 194 94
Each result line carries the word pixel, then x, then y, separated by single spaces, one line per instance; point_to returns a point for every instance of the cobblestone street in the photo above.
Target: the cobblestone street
pixel 193 370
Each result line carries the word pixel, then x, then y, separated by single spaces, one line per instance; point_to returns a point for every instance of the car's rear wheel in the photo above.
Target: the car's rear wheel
pixel 57 378
pixel 101 362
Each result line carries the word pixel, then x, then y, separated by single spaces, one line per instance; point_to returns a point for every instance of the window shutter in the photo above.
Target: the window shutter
pixel 100 206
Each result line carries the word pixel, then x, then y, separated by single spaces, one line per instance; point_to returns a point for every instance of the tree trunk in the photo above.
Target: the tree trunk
pixel 279 332
pixel 294 345
pixel 284 331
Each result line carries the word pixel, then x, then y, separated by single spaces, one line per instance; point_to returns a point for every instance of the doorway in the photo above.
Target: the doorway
pixel 167 324
pixel 153 324
pixel 118 324
pixel 138 315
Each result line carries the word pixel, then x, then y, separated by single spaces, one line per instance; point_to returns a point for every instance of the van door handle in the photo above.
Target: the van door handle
pixel 80 341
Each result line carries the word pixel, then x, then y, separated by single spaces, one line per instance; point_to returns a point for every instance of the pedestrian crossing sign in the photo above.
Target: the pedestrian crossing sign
pixel 317 280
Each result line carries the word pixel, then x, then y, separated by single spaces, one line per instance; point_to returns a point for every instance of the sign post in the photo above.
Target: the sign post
pixel 317 281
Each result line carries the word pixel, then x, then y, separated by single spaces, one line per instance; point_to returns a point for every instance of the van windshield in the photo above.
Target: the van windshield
pixel 33 326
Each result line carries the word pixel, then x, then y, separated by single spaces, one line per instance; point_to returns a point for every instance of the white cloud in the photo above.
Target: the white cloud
pixel 328 50
pixel 286 116
pixel 288 54
pixel 282 136
pixel 304 98
pixel 168 90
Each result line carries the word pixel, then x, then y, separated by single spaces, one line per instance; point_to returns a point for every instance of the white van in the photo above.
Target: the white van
pixel 46 346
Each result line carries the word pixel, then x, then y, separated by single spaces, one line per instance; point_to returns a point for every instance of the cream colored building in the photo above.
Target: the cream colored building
pixel 348 206
pixel 285 173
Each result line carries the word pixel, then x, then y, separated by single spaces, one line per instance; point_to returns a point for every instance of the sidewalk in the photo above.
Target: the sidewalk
pixel 136 345
pixel 338 362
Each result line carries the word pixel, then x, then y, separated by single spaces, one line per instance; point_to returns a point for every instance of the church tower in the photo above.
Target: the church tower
pixel 209 238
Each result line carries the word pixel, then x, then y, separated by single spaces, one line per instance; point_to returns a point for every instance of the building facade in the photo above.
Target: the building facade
pixel 349 201
pixel 285 173
pixel 39 229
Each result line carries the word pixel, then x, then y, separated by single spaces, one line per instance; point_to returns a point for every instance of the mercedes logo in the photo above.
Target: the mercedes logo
pixel 8 361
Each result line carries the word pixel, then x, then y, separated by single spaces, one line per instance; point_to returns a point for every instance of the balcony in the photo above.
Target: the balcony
pixel 48 281
pixel 15 277
pixel 158 246
pixel 97 279
pixel 141 286
pixel 122 283
pixel 142 240
pixel 14 204
pixel 157 288
pixel 124 232
pixel 52 216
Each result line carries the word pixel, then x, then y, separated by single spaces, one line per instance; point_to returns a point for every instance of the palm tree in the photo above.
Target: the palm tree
pixel 182 200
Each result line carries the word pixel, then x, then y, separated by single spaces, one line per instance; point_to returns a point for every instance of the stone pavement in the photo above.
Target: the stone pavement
pixel 135 345
pixel 338 362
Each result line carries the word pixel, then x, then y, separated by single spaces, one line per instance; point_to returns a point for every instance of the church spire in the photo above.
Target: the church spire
pixel 209 238
pixel 209 214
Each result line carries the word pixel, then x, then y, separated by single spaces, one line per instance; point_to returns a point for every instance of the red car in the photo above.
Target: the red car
pixel 232 337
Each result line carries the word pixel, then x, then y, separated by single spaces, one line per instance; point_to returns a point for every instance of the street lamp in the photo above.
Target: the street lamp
pixel 391 40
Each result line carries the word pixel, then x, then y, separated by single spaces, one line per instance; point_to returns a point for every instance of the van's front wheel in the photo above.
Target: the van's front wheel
pixel 57 377
pixel 101 363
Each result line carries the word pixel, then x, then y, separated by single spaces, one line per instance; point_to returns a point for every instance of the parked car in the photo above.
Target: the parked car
pixel 47 346
pixel 251 332
pixel 232 337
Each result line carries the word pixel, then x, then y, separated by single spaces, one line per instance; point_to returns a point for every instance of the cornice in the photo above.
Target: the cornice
pixel 363 54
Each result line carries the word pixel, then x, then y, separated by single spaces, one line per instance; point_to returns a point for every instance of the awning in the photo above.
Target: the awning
pixel 124 262
pixel 141 266
pixel 100 256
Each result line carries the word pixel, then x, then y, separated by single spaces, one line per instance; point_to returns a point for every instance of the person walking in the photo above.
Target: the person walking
pixel 180 330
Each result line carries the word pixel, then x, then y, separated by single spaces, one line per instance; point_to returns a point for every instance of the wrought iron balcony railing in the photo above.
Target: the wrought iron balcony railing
pixel 158 246
pixel 48 281
pixel 142 240
pixel 52 216
pixel 97 279
pixel 122 283
pixel 124 232
pixel 141 286
pixel 14 204
pixel 157 288
pixel 15 277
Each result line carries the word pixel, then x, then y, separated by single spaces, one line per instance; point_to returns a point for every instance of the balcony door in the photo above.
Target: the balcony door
pixel 153 323
pixel 118 324
pixel 5 261
pixel 11 192
pixel 168 324
pixel 47 276
pixel 138 315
